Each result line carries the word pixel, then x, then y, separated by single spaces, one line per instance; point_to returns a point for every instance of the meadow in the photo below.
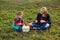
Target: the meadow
pixel 9 9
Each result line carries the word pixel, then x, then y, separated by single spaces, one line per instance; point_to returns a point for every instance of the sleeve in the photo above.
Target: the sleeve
pixel 37 17
pixel 15 21
pixel 48 19
pixel 22 22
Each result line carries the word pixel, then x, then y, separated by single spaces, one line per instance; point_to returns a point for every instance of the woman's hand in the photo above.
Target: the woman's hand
pixel 42 21
pixel 36 21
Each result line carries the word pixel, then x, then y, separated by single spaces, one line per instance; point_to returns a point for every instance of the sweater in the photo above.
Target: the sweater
pixel 40 17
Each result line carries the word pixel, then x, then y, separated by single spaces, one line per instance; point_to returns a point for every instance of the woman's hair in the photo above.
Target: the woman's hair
pixel 20 13
pixel 44 10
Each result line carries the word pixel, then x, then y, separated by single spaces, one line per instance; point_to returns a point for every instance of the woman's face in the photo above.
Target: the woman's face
pixel 43 10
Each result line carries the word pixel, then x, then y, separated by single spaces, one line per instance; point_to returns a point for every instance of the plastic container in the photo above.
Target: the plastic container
pixel 25 28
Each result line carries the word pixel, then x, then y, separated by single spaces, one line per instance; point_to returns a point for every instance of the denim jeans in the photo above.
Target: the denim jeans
pixel 40 26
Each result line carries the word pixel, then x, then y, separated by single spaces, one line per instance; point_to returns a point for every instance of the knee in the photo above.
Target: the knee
pixel 31 23
pixel 47 25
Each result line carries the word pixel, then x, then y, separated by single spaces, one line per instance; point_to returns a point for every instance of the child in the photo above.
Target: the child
pixel 18 21
pixel 43 19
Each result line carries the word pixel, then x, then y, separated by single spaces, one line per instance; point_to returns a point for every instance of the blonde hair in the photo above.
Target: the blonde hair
pixel 45 10
pixel 20 13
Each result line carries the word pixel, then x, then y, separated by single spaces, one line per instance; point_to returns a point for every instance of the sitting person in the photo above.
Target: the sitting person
pixel 18 22
pixel 43 19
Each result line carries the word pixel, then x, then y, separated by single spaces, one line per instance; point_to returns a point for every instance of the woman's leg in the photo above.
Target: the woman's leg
pixel 44 26
pixel 33 24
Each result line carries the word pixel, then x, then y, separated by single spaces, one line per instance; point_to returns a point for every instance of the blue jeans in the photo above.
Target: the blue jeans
pixel 40 26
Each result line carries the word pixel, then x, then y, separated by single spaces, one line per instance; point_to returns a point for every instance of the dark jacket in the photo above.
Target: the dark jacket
pixel 47 18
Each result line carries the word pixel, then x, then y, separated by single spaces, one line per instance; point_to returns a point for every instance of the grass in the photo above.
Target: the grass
pixel 9 9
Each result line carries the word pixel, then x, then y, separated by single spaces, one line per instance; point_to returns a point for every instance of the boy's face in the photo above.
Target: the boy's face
pixel 20 16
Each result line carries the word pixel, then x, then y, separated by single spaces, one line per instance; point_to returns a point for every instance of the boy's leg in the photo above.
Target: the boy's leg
pixel 16 27
pixel 20 28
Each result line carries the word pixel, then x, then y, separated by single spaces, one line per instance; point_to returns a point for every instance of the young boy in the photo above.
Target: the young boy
pixel 18 20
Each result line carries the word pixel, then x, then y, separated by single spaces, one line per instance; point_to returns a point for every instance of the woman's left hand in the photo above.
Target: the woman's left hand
pixel 42 21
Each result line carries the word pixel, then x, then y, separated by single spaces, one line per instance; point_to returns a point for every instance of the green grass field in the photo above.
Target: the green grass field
pixel 9 9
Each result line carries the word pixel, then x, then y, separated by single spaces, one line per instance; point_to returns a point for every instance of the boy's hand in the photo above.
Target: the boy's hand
pixel 20 24
pixel 42 21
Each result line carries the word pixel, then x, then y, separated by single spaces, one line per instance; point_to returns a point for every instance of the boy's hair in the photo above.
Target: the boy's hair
pixel 20 13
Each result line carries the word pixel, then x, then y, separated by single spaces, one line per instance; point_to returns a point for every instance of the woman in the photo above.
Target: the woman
pixel 42 20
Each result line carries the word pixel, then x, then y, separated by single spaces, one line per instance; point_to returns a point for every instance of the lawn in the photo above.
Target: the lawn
pixel 9 9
